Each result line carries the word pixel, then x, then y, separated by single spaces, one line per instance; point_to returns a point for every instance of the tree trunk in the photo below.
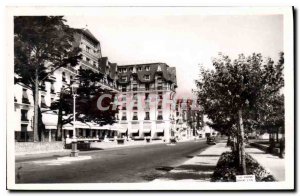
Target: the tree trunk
pixel 243 154
pixel 58 134
pixel 36 108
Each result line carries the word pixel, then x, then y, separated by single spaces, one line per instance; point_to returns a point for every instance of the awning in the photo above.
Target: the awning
pixel 78 125
pixel 158 130
pixel 94 125
pixel 146 130
pixel 134 130
pixel 68 126
pixel 122 130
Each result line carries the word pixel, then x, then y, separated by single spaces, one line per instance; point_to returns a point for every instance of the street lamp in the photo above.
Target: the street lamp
pixel 74 152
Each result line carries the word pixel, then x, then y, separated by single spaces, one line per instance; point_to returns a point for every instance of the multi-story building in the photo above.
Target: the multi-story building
pixel 187 112
pixel 148 88
pixel 145 90
pixel 91 59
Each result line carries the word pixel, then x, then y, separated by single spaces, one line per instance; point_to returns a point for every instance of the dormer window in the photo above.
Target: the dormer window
pixel 159 68
pixel 147 77
pixel 124 79
pixel 147 68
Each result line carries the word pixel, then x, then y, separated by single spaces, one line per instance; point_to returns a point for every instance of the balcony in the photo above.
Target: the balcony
pixel 89 65
pixel 71 69
pixel 25 100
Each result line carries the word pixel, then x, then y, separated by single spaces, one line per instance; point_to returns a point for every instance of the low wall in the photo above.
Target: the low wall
pixel 38 147
pixel 264 148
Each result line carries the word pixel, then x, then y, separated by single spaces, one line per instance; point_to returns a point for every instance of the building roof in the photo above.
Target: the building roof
pixel 168 73
pixel 88 34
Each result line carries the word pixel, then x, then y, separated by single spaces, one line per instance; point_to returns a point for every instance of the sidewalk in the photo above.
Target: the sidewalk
pixel 273 164
pixel 199 168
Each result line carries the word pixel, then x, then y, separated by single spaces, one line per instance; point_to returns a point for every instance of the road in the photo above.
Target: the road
pixel 128 164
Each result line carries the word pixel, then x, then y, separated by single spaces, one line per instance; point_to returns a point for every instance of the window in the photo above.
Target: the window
pixel 25 96
pixel 147 68
pixel 159 116
pixel 135 116
pixel 63 76
pixel 24 136
pixel 147 77
pixel 24 115
pixel 146 96
pixel 124 78
pixel 147 116
pixel 71 80
pixel 131 69
pixel 43 102
pixel 88 59
pixel 52 89
pixel 43 86
pixel 135 97
pixel 124 116
pixel 147 87
pixel 139 68
pixel 124 88
pixel 52 100
pixel 87 48
pixel 134 87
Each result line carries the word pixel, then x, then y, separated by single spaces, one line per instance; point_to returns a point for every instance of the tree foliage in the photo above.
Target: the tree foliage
pixel 248 83
pixel 241 95
pixel 42 44
pixel 88 93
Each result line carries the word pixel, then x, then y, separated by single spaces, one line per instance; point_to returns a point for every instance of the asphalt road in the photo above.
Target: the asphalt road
pixel 128 164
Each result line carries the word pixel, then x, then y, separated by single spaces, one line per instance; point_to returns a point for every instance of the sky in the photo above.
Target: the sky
pixel 182 41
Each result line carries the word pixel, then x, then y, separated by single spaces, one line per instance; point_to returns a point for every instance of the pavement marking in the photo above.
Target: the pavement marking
pixel 62 160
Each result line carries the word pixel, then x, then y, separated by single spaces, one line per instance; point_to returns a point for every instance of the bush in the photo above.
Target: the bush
pixel 227 169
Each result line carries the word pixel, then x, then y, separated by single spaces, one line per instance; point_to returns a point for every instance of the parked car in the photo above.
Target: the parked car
pixel 211 140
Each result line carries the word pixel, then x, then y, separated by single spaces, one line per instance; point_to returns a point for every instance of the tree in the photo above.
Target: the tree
pixel 234 92
pixel 42 44
pixel 88 93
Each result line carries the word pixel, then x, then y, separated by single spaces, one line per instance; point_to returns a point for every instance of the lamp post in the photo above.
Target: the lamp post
pixel 74 152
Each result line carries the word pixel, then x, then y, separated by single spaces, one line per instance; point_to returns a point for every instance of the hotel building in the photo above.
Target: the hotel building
pixel 145 90
pixel 49 91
